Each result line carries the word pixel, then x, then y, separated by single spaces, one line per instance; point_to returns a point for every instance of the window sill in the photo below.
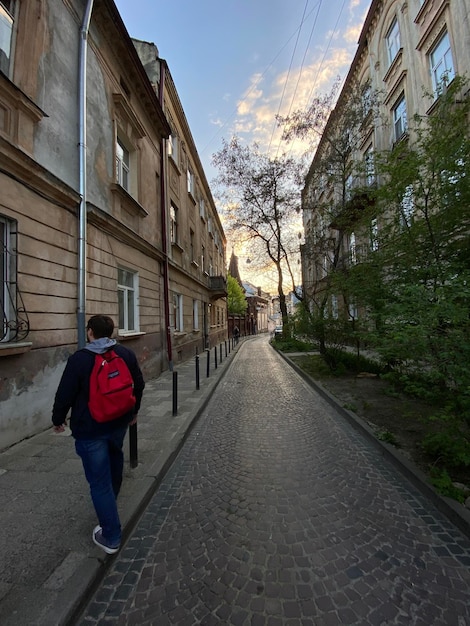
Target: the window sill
pixel 195 263
pixel 129 203
pixel 393 65
pixel 179 333
pixel 132 334
pixel 175 244
pixel 9 349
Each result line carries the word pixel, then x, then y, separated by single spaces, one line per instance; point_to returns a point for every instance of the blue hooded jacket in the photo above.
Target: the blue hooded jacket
pixel 74 390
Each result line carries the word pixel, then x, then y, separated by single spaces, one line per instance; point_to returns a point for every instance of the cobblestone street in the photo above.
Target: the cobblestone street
pixel 277 512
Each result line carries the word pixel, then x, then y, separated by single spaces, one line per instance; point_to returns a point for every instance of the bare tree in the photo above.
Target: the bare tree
pixel 262 201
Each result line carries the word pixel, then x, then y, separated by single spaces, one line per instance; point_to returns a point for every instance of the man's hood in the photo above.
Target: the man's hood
pixel 100 346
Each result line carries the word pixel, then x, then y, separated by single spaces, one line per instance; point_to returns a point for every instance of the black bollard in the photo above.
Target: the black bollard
pixel 175 393
pixel 220 357
pixel 228 346
pixel 208 361
pixel 215 356
pixel 133 446
pixel 225 342
pixel 197 371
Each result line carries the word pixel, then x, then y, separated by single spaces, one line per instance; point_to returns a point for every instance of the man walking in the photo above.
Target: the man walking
pixel 99 444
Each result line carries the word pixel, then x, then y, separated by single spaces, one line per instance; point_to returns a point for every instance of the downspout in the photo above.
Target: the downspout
pixel 82 215
pixel 166 289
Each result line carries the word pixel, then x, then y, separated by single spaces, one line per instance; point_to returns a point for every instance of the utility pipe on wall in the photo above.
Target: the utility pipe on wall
pixel 166 289
pixel 82 215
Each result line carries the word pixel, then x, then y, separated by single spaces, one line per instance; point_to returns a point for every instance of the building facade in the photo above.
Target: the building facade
pixel 195 238
pixel 85 206
pixel 404 48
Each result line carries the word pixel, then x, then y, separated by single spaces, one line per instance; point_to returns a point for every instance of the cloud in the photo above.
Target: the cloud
pixel 284 93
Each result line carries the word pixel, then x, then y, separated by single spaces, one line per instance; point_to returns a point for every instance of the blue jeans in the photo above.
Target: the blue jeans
pixel 103 462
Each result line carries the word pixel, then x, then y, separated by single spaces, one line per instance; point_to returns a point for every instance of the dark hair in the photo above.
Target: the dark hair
pixel 101 326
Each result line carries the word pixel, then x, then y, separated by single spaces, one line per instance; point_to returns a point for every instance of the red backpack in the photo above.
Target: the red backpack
pixel 111 388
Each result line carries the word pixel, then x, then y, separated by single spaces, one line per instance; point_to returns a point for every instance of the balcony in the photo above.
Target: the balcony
pixel 217 287
pixel 356 205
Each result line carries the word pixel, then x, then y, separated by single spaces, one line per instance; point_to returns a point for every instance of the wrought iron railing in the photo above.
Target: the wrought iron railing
pixel 15 317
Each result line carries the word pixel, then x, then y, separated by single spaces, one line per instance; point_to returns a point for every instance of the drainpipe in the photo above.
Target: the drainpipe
pixel 82 215
pixel 166 289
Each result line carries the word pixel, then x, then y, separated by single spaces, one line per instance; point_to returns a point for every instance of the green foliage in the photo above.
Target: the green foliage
pixel 291 344
pixel 450 446
pixel 388 437
pixel 342 361
pixel 444 485
pixel 236 300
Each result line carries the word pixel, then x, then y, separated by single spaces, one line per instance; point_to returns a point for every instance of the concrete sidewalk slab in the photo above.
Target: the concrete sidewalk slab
pixel 48 561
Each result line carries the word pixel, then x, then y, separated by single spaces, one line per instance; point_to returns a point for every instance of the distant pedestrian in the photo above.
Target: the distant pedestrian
pixel 236 334
pixel 99 444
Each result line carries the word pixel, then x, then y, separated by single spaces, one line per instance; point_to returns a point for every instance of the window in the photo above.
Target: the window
pixel 191 247
pixel 122 165
pixel 7 20
pixel 177 313
pixel 195 315
pixel 374 235
pixel 407 207
pixel 393 40
pixel 442 66
pixel 352 310
pixel 366 98
pixel 369 166
pixel 173 224
pixel 127 300
pixel 15 322
pixel 190 180
pixel 203 260
pixel 352 248
pixel 400 123
pixel 173 148
pixel 334 306
pixel 202 209
pixel 348 185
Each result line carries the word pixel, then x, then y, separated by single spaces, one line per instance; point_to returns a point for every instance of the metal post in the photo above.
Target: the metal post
pixel 215 356
pixel 175 393
pixel 133 446
pixel 208 361
pixel 220 357
pixel 197 370
pixel 225 342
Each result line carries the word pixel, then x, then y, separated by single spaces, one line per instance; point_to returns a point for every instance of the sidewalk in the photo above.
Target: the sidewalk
pixel 47 558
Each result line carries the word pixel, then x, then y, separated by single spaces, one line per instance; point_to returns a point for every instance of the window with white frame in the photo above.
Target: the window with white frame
pixel 352 248
pixel 348 185
pixel 369 166
pixel 190 181
pixel 195 315
pixel 407 207
pixel 128 289
pixel 122 165
pixel 393 40
pixel 173 224
pixel 177 313
pixel 173 148
pixel 334 306
pixel 366 98
pixel 374 234
pixel 202 209
pixel 400 123
pixel 352 310
pixel 7 24
pixel 203 259
pixel 441 64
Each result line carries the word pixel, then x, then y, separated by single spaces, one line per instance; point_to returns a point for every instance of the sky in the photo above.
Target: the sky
pixel 238 63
